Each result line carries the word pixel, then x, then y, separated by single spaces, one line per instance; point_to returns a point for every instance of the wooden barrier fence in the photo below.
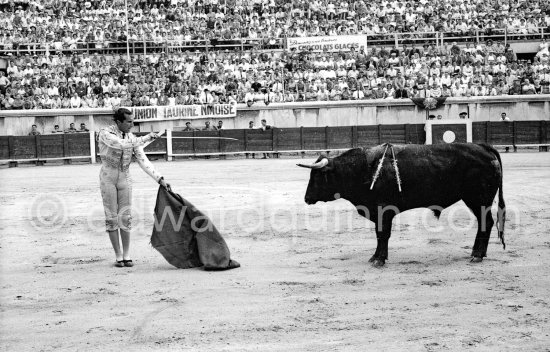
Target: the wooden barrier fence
pixel 283 140
pixel 14 149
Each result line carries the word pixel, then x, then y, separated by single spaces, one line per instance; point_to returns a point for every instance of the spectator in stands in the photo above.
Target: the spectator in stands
pixel 206 97
pixel 4 82
pixel 17 103
pixel 75 101
pixel 34 131
pixel 165 73
pixel 220 125
pixel 269 96
pixel 163 100
pixel 249 97
pixel 289 97
pixel 463 115
pixel 378 92
pixel 80 89
pixel 66 102
pixel 527 87
pixel 446 91
pixel 6 102
pixel 538 87
pixel 357 94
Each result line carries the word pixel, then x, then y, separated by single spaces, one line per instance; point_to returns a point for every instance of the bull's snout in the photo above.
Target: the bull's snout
pixel 309 200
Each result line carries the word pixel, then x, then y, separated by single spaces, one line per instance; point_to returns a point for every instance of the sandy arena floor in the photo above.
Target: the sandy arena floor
pixel 304 284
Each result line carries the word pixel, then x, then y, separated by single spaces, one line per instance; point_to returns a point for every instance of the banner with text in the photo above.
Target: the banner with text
pixel 328 43
pixel 178 112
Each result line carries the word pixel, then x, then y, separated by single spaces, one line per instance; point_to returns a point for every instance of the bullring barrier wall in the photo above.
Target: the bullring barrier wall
pixel 14 149
pixel 303 114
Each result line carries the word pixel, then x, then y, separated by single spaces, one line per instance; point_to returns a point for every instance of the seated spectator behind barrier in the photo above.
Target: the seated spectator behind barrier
pixel 83 128
pixel 208 127
pixel 56 129
pixel 34 131
pixel 265 127
pixel 220 125
pixel 188 127
pixel 463 115
pixel 503 117
pixel 71 129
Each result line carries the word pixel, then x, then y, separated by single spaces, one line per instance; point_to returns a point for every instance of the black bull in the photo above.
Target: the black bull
pixel 432 176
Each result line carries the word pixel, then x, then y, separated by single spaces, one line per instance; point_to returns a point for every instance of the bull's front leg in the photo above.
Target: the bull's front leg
pixel 383 224
pixel 376 254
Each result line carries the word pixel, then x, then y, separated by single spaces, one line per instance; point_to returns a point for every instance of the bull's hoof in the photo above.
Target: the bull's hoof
pixel 378 263
pixel 476 260
pixel 372 259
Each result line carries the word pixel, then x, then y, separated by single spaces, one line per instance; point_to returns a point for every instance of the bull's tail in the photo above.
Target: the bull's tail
pixel 501 214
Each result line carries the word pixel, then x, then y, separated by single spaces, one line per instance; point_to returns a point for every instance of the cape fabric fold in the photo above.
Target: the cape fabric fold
pixel 186 237
pixel 429 103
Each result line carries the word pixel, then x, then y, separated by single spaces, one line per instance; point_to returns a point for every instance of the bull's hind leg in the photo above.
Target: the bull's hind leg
pixel 485 224
pixel 383 232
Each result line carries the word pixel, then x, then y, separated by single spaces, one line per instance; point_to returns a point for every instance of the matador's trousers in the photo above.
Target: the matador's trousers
pixel 116 191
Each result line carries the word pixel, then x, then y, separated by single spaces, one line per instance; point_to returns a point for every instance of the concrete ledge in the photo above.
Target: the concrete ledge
pixel 302 114
pixel 297 105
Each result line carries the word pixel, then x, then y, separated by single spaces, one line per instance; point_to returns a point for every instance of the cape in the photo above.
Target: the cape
pixel 429 103
pixel 186 237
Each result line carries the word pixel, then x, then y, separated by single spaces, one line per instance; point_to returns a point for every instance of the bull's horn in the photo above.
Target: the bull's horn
pixel 318 165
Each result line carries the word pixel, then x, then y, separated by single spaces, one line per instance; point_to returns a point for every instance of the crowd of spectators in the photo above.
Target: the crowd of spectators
pixel 56 130
pixel 62 24
pixel 80 81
